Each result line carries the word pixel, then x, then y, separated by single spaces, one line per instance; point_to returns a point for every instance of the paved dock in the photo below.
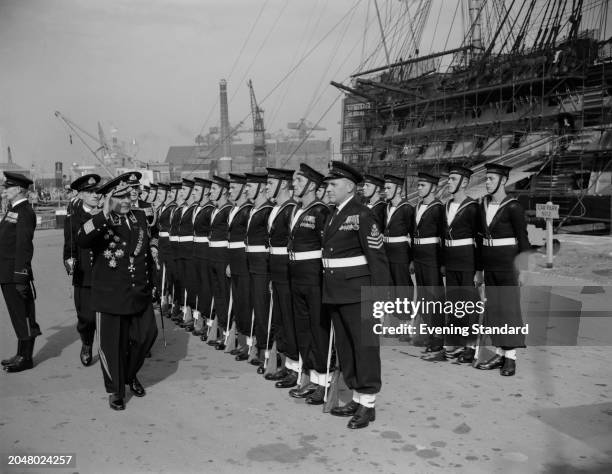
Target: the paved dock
pixel 204 412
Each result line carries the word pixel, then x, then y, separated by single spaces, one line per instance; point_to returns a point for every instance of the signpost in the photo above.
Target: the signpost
pixel 548 211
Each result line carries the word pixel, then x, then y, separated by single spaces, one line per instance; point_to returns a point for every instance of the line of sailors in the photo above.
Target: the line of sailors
pixel 263 257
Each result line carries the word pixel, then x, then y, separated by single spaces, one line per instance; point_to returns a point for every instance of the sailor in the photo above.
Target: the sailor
pixel 279 191
pixel 164 222
pixel 185 261
pixel 238 266
pixel 218 255
pixel 120 288
pixel 322 194
pixel 178 279
pixel 504 239
pixel 353 256
pixel 311 334
pixel 258 259
pixel 399 221
pixel 144 193
pixel 16 250
pixel 152 195
pixel 372 189
pixel 462 266
pixel 427 252
pixel 78 261
pixel 201 230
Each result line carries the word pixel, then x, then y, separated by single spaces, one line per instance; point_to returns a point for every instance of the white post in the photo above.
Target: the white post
pixel 549 239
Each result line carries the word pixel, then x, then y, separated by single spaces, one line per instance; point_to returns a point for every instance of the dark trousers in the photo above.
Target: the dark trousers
pixel 241 304
pixel 503 306
pixel 460 289
pixel 187 278
pixel 220 290
pixel 124 341
pixel 22 312
pixel 204 291
pixel 358 348
pixel 400 275
pixel 260 303
pixel 430 288
pixel 312 326
pixel 178 278
pixel 86 316
pixel 282 319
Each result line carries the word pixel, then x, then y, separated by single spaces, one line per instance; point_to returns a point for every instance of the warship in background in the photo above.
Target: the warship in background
pixel 530 86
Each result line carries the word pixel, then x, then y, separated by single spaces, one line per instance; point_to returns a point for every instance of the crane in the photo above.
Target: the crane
pixel 260 155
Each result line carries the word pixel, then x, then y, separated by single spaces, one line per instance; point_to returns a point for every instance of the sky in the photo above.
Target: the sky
pixel 151 68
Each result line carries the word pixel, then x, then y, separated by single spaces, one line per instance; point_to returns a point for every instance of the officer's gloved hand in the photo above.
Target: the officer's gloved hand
pixel 23 290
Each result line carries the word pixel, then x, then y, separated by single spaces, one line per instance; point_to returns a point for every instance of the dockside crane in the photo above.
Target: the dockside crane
pixel 260 155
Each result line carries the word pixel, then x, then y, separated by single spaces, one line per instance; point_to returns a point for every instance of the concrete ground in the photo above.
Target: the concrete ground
pixel 204 412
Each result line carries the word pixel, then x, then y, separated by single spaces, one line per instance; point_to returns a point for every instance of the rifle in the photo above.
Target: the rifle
pixel 197 316
pixel 186 310
pixel 332 389
pixel 230 334
pixel 212 322
pixel 250 342
pixel 267 352
pixel 477 352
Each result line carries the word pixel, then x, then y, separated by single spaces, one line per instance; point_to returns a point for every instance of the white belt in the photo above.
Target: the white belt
pixel 236 245
pixel 174 238
pixel 256 248
pixel 396 240
pixel 200 239
pixel 310 255
pixel 499 242
pixel 278 251
pixel 458 242
pixel 217 243
pixel 427 240
pixel 164 234
pixel 185 238
pixel 345 262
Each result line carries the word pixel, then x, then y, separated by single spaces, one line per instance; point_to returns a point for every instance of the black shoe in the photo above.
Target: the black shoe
pixel 220 346
pixel 347 410
pixel 455 353
pixel 509 367
pixel 261 370
pixel 204 337
pixel 136 388
pixel 212 342
pixel 303 392
pixel 115 402
pixel 493 363
pixel 362 418
pixel 86 356
pixel 24 360
pixel 288 382
pixel 11 360
pixel 242 356
pixel 278 375
pixel 20 364
pixel 235 351
pixel 189 328
pixel 467 357
pixel 316 397
pixel 256 361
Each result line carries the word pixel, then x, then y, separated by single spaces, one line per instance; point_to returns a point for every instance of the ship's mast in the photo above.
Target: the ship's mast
pixel 475 7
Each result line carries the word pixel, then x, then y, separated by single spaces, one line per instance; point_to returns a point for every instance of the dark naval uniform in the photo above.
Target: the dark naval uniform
pixel 462 246
pixel 239 269
pixel 121 294
pixel 201 231
pixel 282 312
pixel 165 253
pixel 399 222
pixel 16 250
pixel 504 238
pixel 185 260
pixel 219 259
pixel 81 272
pixel 379 209
pixel 259 271
pixel 353 256
pixel 306 270
pixel 428 258
pixel 178 278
